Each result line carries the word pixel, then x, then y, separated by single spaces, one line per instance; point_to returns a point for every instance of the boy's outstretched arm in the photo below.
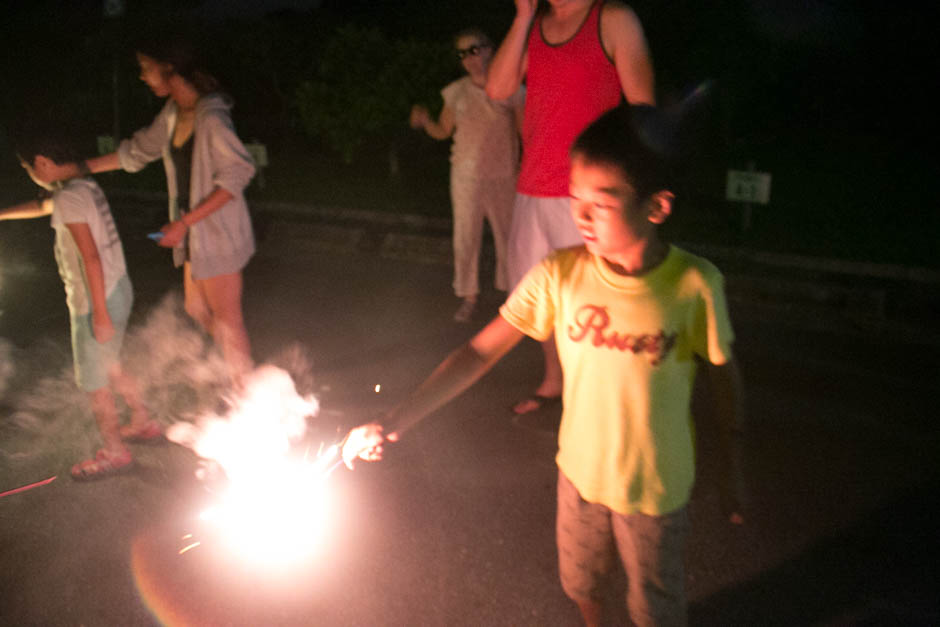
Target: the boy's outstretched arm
pixel 94 279
pixel 456 373
pixel 727 394
pixel 27 210
pixel 508 66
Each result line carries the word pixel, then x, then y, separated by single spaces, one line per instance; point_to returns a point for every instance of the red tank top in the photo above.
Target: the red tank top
pixel 568 86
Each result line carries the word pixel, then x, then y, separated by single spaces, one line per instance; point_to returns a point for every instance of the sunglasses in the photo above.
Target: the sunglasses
pixel 472 51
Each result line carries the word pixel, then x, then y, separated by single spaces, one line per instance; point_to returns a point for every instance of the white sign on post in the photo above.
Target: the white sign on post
pixel 106 144
pixel 748 186
pixel 259 152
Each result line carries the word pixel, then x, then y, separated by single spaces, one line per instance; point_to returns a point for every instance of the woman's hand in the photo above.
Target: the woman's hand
pixel 173 234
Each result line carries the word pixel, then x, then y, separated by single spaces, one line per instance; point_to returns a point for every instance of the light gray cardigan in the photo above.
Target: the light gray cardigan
pixel 222 242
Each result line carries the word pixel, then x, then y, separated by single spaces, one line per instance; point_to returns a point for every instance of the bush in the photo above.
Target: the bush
pixel 364 86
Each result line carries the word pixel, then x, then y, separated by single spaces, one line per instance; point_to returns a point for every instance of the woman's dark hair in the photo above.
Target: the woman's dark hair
pixel 177 46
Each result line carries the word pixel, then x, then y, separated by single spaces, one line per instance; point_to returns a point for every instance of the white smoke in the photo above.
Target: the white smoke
pixel 265 418
pixel 182 378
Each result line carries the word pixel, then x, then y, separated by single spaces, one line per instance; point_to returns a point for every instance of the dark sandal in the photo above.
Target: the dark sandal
pixel 103 465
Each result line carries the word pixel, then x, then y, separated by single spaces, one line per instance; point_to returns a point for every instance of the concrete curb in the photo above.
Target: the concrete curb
pixel 813 293
pixel 440 226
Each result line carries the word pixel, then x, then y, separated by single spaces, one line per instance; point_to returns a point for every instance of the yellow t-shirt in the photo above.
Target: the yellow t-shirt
pixel 626 346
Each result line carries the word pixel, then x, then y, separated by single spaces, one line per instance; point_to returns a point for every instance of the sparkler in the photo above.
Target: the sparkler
pixel 27 487
pixel 274 506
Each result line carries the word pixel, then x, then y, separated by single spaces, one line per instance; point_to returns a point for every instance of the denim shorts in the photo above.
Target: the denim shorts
pixel 92 359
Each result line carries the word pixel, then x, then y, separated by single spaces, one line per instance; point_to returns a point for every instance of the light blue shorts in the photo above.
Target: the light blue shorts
pixel 92 359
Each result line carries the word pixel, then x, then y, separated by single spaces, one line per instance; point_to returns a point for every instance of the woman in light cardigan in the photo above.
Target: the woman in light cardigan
pixel 209 229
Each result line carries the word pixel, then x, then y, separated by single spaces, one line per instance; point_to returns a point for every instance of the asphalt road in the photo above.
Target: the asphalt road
pixel 456 526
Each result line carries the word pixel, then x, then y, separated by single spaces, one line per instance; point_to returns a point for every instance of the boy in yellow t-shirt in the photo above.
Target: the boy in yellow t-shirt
pixel 630 314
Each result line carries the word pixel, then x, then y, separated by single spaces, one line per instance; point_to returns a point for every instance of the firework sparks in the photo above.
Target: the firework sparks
pixel 190 546
pixel 275 503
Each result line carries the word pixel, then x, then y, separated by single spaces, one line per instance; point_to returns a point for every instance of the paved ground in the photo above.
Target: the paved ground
pixel 455 528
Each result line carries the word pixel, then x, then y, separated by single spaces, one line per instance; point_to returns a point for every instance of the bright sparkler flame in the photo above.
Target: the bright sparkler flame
pixel 277 516
pixel 275 507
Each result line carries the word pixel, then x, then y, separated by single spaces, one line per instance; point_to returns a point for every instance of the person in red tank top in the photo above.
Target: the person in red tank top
pixel 578 58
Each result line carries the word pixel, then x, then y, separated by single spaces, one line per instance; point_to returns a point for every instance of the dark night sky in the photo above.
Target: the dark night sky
pixel 831 64
pixel 830 95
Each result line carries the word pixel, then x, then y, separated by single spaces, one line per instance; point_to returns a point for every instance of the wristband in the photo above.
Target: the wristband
pixel 83 169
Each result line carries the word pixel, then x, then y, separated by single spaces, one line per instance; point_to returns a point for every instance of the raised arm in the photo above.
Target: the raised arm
pixel 440 129
pixel 624 41
pixel 456 373
pixel 508 66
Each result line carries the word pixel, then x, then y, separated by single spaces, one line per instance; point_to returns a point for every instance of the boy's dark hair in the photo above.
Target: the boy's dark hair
pixel 35 138
pixel 621 138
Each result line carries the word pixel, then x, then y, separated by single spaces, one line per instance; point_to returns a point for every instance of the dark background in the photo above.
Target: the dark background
pixel 827 96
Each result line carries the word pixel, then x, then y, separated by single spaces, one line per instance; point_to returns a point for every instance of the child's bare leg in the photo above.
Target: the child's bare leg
pixel 590 612
pixel 126 385
pixel 102 405
pixel 216 304
pixel 223 295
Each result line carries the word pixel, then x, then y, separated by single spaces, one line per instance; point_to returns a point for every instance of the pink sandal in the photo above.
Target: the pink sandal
pixel 103 465
pixel 148 432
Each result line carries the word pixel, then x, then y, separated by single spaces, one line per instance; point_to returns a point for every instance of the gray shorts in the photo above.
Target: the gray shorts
pixel 539 226
pixel 651 548
pixel 92 359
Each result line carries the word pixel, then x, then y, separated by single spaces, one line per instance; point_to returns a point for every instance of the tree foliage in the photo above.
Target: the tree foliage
pixel 365 84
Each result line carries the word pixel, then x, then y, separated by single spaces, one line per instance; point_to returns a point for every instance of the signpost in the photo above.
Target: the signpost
pixel 259 153
pixel 748 187
pixel 113 11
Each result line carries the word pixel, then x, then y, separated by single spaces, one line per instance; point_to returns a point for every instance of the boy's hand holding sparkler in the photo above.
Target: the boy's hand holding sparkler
pixel 456 373
pixel 365 442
